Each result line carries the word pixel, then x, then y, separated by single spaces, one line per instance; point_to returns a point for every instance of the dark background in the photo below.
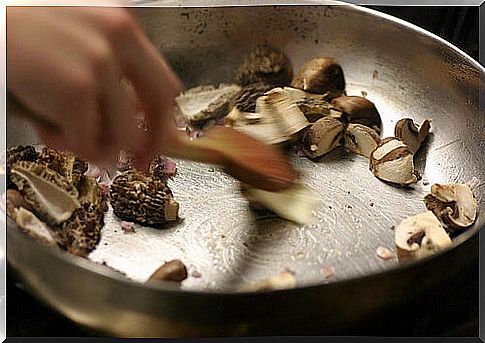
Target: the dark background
pixel 450 310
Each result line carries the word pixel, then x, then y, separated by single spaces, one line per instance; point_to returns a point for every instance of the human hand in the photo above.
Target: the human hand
pixel 66 65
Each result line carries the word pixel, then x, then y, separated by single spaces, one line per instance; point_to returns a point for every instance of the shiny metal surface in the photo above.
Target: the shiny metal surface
pixel 402 69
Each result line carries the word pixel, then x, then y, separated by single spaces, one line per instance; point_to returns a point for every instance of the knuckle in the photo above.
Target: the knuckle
pixel 120 21
pixel 100 56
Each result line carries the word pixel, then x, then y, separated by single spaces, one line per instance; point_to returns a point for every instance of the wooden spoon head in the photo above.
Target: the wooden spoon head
pixel 251 161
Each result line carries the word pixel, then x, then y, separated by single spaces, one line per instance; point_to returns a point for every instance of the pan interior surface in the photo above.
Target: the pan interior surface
pixel 405 72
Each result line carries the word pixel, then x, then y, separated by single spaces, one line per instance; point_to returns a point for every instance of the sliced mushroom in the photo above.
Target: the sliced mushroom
pixel 90 191
pixel 283 280
pixel 203 105
pixel 420 236
pixel 51 196
pixel 392 161
pixel 361 139
pixel 15 200
pixel 322 137
pixel 173 270
pixel 245 99
pixel 296 203
pixel 143 199
pixel 237 118
pixel 321 75
pixel 412 134
pixel 34 227
pixel 359 110
pixel 269 133
pixel 315 109
pixel 454 203
pixel 16 154
pixel 267 65
pixel 278 105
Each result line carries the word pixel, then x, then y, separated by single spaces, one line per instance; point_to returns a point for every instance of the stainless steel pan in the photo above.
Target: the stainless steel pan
pixel 404 70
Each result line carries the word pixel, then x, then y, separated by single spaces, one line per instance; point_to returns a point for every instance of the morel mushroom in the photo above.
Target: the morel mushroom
pixel 420 236
pixel 322 137
pixel 174 271
pixel 52 197
pixel 314 109
pixel 245 99
pixel 283 280
pixel 411 134
pixel 296 203
pixel 361 139
pixel 34 227
pixel 90 191
pixel 454 203
pixel 359 110
pixel 64 163
pixel 17 154
pixel 322 76
pixel 143 199
pixel 266 65
pixel 203 106
pixel 81 233
pixel 392 161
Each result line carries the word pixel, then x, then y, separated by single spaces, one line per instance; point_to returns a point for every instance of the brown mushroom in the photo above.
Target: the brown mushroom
pixel 266 65
pixel 392 161
pixel 412 134
pixel 359 110
pixel 420 236
pixel 454 203
pixel 322 76
pixel 174 271
pixel 361 139
pixel 322 137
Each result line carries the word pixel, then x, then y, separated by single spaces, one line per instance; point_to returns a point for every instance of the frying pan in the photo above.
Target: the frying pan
pixel 404 70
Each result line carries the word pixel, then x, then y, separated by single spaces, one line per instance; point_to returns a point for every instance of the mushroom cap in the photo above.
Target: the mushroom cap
pixel 392 161
pixel 143 199
pixel 454 203
pixel 359 110
pixel 420 236
pixel 201 104
pixel 408 132
pixel 321 75
pixel 267 65
pixel 245 99
pixel 34 227
pixel 322 137
pixel 16 154
pixel 173 270
pixel 361 139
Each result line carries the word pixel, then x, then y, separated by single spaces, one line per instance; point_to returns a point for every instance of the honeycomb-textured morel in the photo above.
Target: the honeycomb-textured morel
pixel 143 199
pixel 162 168
pixel 52 197
pixel 267 65
pixel 90 191
pixel 17 154
pixel 245 99
pixel 81 233
pixel 64 163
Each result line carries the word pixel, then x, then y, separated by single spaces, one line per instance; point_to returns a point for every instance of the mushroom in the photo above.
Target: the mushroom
pixel 162 168
pixel 454 203
pixel 359 110
pixel 412 134
pixel 143 199
pixel 16 154
pixel 296 203
pixel 420 236
pixel 52 197
pixel 392 161
pixel 245 99
pixel 267 65
pixel 314 109
pixel 64 163
pixel 90 191
pixel 174 271
pixel 203 106
pixel 283 280
pixel 15 200
pixel 81 233
pixel 321 75
pixel 322 137
pixel 361 139
pixel 34 227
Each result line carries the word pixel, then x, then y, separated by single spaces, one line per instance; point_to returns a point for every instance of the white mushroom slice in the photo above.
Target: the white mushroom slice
pixel 392 161
pixel 284 280
pixel 296 203
pixel 269 133
pixel 52 197
pixel 278 105
pixel 455 204
pixel 412 134
pixel 420 236
pixel 200 104
pixel 34 227
pixel 361 139
pixel 322 137
pixel 237 118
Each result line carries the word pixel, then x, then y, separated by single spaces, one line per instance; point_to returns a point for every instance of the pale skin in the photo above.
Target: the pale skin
pixel 65 64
